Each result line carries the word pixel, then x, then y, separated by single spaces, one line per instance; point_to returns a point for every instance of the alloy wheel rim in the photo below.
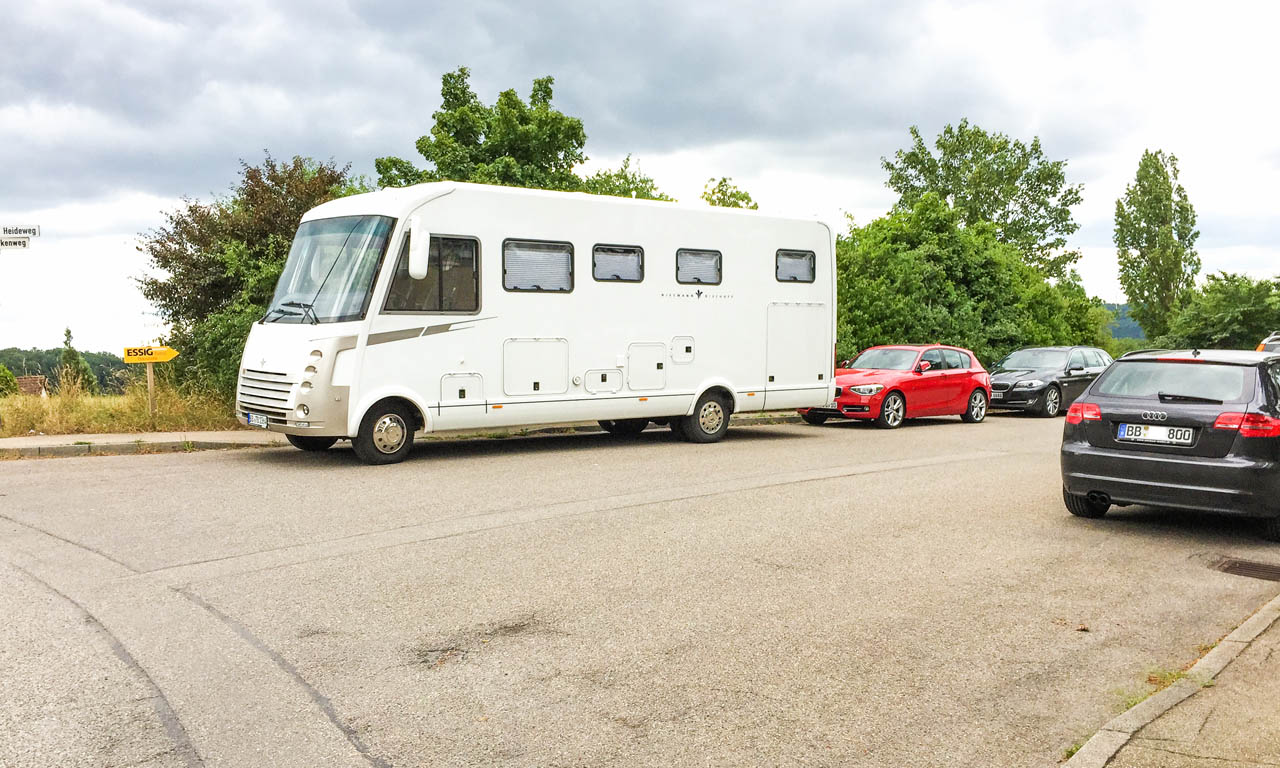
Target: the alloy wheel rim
pixel 389 433
pixel 1053 402
pixel 711 417
pixel 978 405
pixel 893 411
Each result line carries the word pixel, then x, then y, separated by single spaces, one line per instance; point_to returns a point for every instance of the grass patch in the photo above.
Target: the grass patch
pixel 73 411
pixel 1157 679
pixel 1071 751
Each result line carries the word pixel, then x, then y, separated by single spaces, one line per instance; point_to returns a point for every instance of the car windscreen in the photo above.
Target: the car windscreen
pixel 1150 379
pixel 1035 359
pixel 886 359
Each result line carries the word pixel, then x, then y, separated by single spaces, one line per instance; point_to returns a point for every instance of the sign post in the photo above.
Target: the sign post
pixel 18 236
pixel 150 356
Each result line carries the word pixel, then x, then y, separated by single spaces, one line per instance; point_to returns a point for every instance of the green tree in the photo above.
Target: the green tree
pixel 8 382
pixel 919 275
pixel 75 369
pixel 216 264
pixel 991 177
pixel 1230 311
pixel 1155 239
pixel 725 194
pixel 624 182
pixel 510 142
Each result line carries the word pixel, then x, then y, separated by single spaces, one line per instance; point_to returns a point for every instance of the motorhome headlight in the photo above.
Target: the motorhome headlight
pixel 302 411
pixel 866 389
pixel 1028 384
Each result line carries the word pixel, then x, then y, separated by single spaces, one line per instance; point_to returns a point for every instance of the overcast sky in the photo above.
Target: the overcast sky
pixel 112 111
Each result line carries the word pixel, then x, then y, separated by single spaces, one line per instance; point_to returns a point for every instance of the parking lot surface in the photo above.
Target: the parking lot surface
pixel 834 595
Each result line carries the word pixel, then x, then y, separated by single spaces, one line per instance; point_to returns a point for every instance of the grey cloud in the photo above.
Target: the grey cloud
pixel 191 87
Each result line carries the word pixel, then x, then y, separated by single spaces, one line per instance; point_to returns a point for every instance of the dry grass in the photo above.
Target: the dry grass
pixel 72 411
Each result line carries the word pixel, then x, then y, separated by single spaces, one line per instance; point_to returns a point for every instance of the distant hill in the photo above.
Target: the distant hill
pixel 1124 327
pixel 45 362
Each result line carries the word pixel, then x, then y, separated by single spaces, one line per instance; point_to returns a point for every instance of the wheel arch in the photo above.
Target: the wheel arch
pixel 718 386
pixel 373 399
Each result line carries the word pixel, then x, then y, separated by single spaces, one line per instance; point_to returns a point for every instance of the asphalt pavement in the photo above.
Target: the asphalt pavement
pixel 834 595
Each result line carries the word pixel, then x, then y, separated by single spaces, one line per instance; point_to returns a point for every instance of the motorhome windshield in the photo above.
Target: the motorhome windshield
pixel 330 270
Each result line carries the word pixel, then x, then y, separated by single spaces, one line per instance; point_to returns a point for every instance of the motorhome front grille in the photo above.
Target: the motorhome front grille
pixel 264 391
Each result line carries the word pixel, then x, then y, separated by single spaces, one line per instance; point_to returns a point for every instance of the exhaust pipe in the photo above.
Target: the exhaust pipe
pixel 1098 497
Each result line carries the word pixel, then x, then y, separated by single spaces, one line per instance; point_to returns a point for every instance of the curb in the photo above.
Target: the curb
pixel 1104 744
pixel 134 447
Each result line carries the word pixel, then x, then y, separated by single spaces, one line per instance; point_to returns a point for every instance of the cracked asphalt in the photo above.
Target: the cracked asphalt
pixel 794 595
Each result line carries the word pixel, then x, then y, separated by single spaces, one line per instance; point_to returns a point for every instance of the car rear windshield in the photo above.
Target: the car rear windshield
pixel 1151 378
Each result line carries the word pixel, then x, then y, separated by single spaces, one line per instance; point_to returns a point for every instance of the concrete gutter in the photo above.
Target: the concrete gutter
pixel 61 446
pixel 1104 744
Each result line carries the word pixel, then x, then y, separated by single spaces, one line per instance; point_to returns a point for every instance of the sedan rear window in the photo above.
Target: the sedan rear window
pixel 1150 379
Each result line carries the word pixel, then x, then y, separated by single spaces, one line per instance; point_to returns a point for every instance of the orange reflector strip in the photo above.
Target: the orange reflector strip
pixel 497 406
pixel 751 394
pixel 643 399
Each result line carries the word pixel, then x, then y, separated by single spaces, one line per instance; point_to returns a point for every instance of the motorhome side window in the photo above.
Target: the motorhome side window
pixel 795 266
pixel 535 265
pixel 697 267
pixel 452 283
pixel 618 263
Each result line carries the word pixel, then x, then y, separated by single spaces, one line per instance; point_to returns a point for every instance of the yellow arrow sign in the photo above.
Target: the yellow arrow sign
pixel 149 354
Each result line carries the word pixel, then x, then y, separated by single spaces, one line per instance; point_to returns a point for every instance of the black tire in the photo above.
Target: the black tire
pixel 1271 529
pixel 677 426
pixel 1083 506
pixel 624 427
pixel 305 443
pixel 893 411
pixel 816 419
pixel 1052 405
pixel 976 410
pixel 710 419
pixel 378 441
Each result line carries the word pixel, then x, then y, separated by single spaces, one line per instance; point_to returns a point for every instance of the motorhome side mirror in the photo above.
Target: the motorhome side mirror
pixel 418 242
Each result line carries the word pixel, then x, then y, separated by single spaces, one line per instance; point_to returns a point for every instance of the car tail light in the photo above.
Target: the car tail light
pixel 1249 424
pixel 1079 412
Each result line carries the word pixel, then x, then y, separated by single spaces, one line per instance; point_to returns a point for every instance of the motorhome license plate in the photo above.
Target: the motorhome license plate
pixel 1151 433
pixel 258 420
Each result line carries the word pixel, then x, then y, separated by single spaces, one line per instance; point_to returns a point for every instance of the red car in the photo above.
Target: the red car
pixel 891 383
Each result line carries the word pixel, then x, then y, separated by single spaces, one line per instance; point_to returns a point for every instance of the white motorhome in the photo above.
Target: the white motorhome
pixel 464 306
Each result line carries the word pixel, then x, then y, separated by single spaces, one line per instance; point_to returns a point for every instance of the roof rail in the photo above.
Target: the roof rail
pixel 1142 351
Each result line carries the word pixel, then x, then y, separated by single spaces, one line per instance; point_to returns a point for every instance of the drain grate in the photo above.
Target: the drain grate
pixel 1250 568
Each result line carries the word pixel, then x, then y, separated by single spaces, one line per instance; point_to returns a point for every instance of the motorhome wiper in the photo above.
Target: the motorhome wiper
pixel 275 310
pixel 1166 397
pixel 307 309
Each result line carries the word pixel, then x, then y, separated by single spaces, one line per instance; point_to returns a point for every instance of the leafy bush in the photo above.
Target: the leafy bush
pixel 8 382
pixel 1230 311
pixel 918 276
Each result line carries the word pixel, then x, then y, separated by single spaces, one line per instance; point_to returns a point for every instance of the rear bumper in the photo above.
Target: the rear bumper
pixel 1232 485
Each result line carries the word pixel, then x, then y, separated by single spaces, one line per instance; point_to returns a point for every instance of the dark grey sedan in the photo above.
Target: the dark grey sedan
pixel 1045 380
pixel 1188 429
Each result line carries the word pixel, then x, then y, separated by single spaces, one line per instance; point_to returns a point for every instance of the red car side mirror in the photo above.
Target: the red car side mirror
pixel 923 366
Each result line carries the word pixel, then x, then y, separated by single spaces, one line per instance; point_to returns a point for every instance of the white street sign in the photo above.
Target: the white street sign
pixel 15 242
pixel 28 230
